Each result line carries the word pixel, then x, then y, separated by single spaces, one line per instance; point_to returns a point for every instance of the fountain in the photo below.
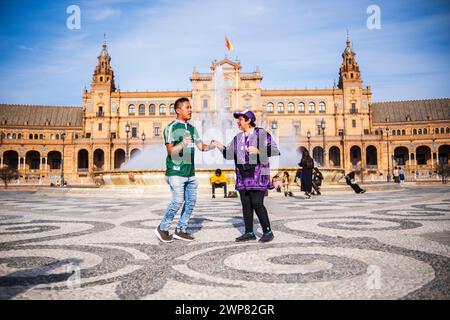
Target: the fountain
pixel 217 123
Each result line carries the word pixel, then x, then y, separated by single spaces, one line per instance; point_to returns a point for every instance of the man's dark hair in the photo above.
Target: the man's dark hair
pixel 179 102
pixel 218 172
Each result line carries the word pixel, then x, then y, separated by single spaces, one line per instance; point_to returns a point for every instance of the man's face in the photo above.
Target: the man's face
pixel 242 123
pixel 185 111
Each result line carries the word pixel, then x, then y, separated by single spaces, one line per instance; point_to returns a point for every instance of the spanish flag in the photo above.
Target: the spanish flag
pixel 228 44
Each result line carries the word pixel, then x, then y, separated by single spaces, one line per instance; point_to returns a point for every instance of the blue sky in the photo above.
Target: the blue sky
pixel 155 45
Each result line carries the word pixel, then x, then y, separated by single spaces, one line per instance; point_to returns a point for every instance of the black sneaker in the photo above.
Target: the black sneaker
pixel 214 196
pixel 268 236
pixel 163 236
pixel 183 236
pixel 246 237
pixel 363 191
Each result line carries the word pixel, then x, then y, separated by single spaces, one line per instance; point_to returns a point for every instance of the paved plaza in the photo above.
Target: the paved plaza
pixel 378 245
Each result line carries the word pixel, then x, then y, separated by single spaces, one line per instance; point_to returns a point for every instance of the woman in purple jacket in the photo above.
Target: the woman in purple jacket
pixel 250 150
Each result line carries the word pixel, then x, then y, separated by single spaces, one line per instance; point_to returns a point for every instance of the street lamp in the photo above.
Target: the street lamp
pixel 143 140
pixel 308 135
pixel 63 137
pixel 127 130
pixel 322 125
pixel 387 155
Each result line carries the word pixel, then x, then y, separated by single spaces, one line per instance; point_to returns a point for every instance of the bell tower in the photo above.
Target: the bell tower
pixel 349 70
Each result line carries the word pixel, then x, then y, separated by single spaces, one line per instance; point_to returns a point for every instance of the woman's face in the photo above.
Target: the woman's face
pixel 242 123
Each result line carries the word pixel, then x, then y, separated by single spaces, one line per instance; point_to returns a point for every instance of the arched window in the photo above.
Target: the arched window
pixel 399 132
pixel 131 109
pixel 30 136
pixel 151 109
pixel 436 130
pixel 41 136
pixel 312 107
pixel 57 136
pixel 447 130
pixel 425 131
pixel 322 107
pixel 280 107
pixel 36 136
pixel 172 109
pixel 162 109
pixel 291 107
pixel 270 107
pixel 393 132
pixel 415 131
pixel 20 136
pixel 442 130
pixel 141 110
pixel 274 125
pixel 420 131
pixel 403 132
pixel 51 136
pixel 301 107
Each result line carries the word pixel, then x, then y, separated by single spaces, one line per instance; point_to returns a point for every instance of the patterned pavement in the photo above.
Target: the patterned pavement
pixel 380 245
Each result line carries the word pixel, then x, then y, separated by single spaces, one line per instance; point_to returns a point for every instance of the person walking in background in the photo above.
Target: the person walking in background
pixel 298 177
pixel 250 149
pixel 351 181
pixel 317 181
pixel 307 165
pixel 286 182
pixel 218 180
pixel 396 175
pixel 401 174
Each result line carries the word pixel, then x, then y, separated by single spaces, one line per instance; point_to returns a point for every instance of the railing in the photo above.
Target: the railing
pixel 83 169
pixel 371 167
pixel 354 110
pixel 100 114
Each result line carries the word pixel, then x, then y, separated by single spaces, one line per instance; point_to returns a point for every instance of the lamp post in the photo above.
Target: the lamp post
pixel 127 130
pixel 143 140
pixel 63 137
pixel 387 155
pixel 322 126
pixel 308 135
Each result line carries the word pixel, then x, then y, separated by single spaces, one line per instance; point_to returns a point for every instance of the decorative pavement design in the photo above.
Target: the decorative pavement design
pixel 380 245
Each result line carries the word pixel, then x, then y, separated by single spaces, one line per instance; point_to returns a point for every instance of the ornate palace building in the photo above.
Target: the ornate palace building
pixel 341 125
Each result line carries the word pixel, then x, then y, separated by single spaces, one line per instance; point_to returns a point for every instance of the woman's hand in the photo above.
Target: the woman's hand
pixel 253 150
pixel 217 144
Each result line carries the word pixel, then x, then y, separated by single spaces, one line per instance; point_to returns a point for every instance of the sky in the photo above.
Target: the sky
pixel 155 45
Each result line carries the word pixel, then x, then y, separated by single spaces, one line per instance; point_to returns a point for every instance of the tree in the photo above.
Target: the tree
pixel 7 174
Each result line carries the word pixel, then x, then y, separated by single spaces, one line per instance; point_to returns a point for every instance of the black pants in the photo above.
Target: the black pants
pixel 254 200
pixel 219 185
pixel 316 187
pixel 356 188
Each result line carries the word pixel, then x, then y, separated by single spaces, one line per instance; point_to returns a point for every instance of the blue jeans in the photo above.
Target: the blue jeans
pixel 184 190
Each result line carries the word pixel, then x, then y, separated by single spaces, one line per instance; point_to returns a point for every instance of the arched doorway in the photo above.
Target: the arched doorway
pixel 371 157
pixel 401 156
pixel 444 154
pixel 33 160
pixel 54 160
pixel 423 155
pixel 355 155
pixel 318 155
pixel 335 157
pixel 11 159
pixel 83 160
pixel 119 158
pixel 99 159
pixel 134 153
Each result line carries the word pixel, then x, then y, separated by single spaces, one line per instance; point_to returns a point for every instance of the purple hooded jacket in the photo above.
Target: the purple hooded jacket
pixel 252 170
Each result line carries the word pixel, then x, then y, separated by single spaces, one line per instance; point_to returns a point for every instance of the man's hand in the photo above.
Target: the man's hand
pixel 252 150
pixel 187 140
